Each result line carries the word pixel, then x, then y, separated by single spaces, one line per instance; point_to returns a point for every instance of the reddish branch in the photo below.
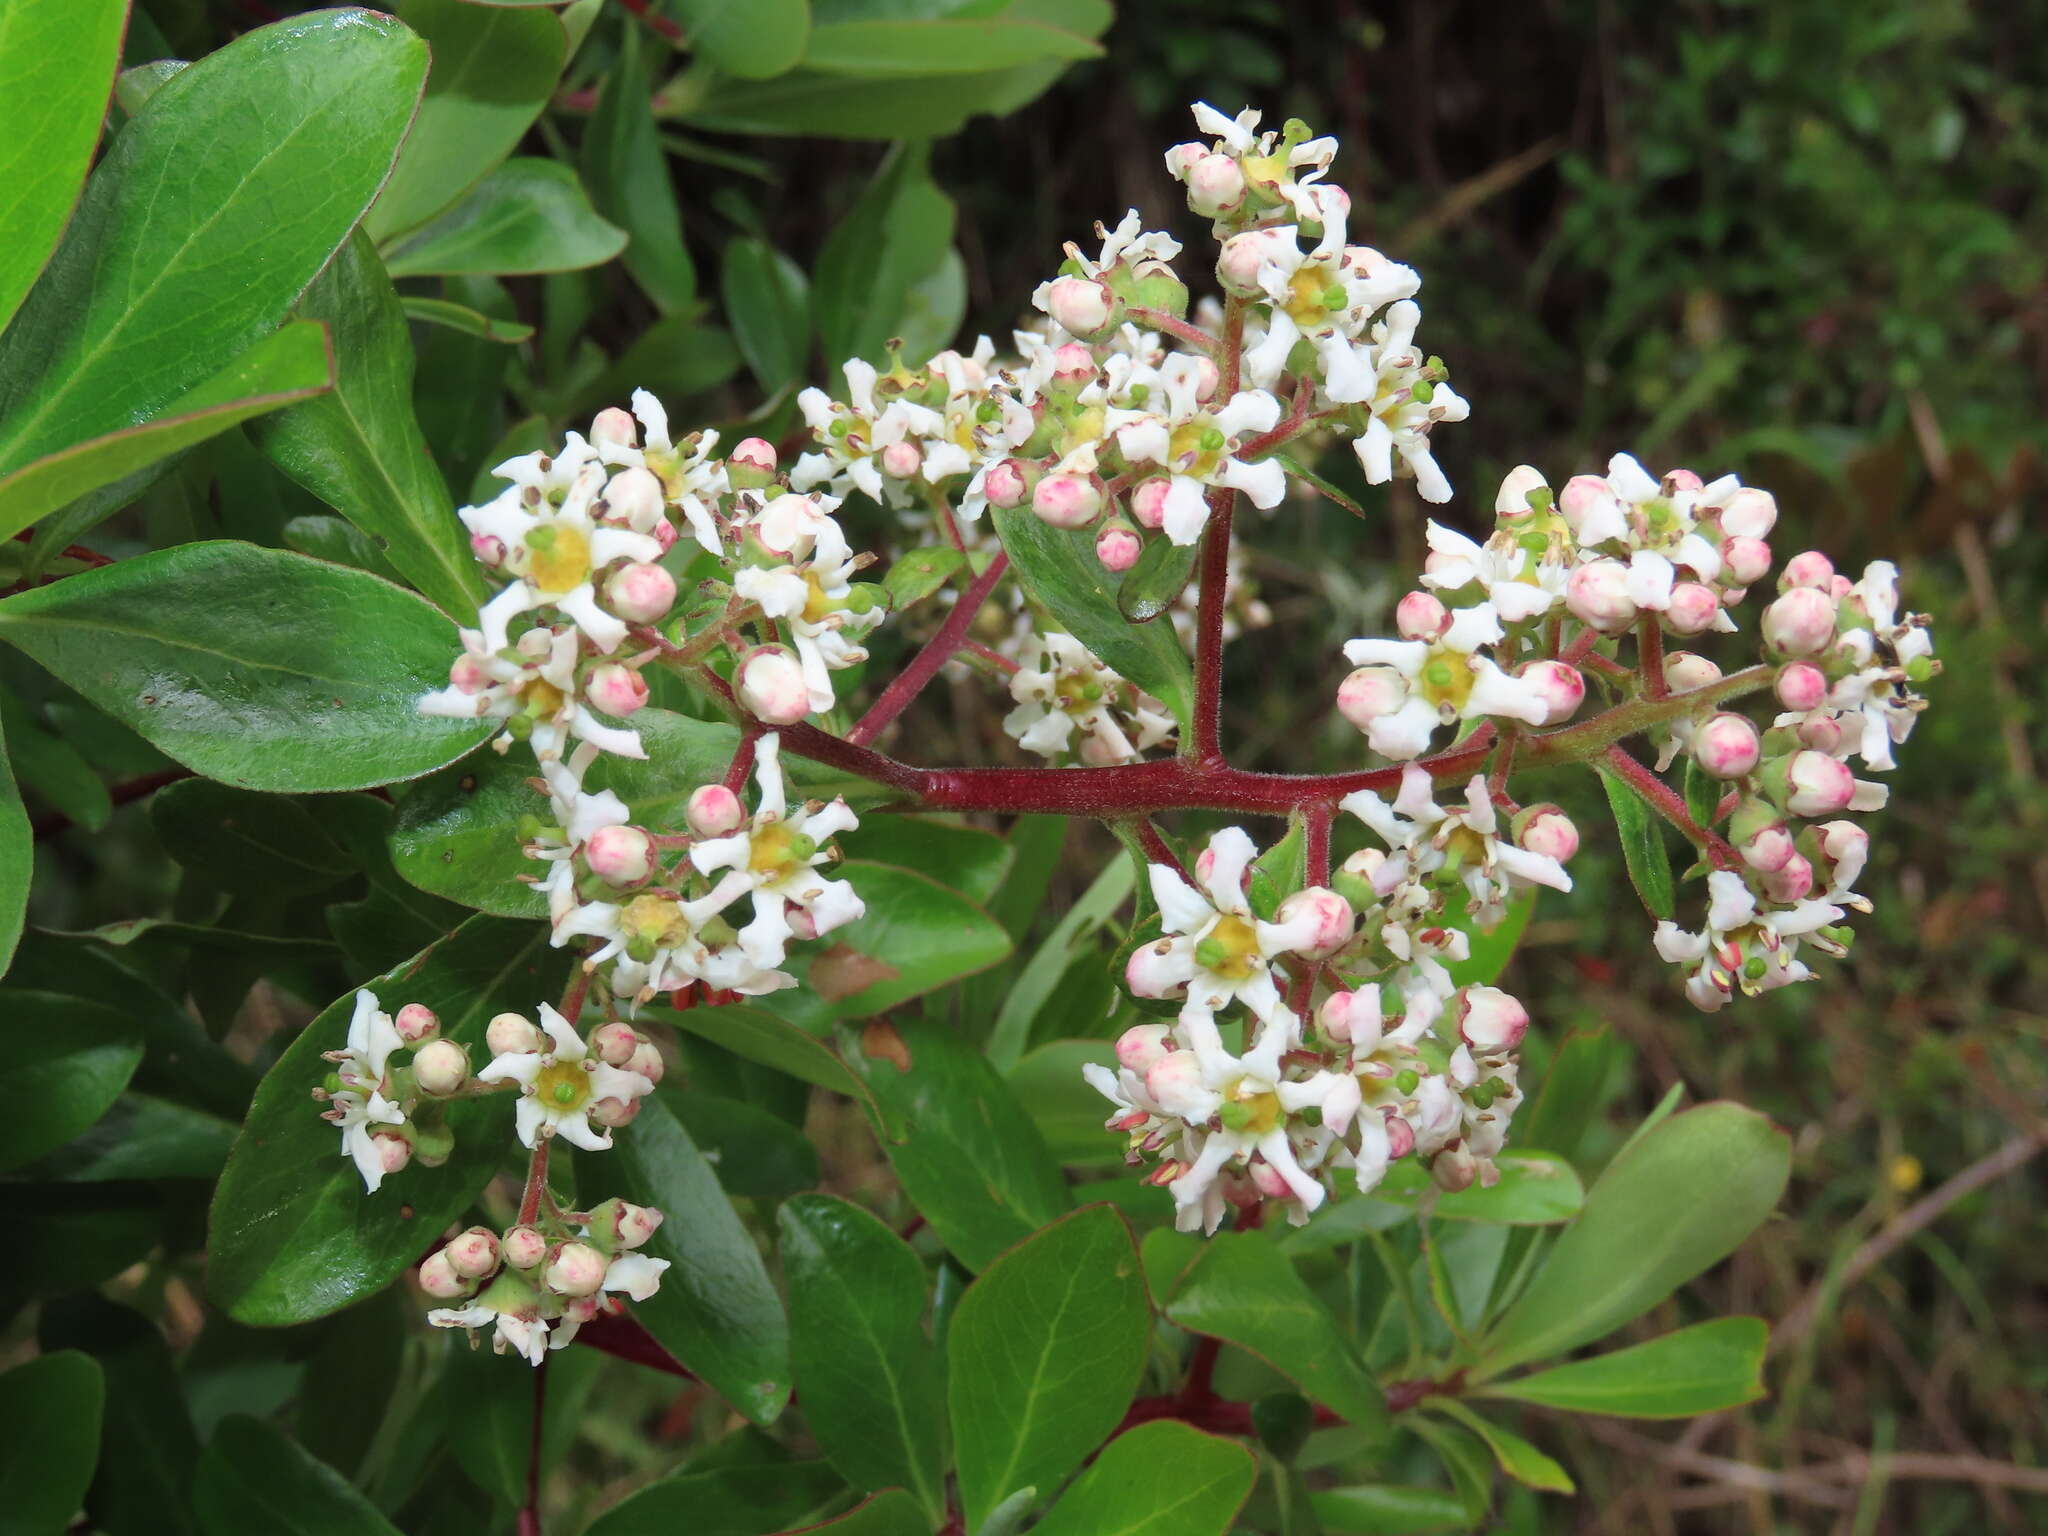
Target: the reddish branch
pixel 1203 744
pixel 1665 801
pixel 938 650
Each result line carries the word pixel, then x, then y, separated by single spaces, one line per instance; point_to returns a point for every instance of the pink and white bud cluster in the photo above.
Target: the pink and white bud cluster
pixel 1071 705
pixel 797 569
pixel 535 1284
pixel 384 1091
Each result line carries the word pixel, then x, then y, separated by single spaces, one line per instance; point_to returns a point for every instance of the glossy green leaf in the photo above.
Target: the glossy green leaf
pixel 1059 569
pixel 244 841
pixel 1536 1189
pixel 528 215
pixel 1516 1456
pixel 17 859
pixel 716 1311
pixel 51 1406
pixel 1075 932
pixel 964 859
pixel 768 306
pixel 869 1376
pixel 759 1036
pixel 49 765
pixel 920 573
pixel 750 42
pixel 1043 1356
pixel 1159 1479
pixel 963 1148
pixel 1388 1509
pixel 293 1235
pixel 894 1513
pixel 253 666
pixel 887 49
pixel 208 216
pixel 359 447
pixel 627 172
pixel 1641 832
pixel 1701 1369
pixel 255 1477
pixel 1245 1291
pixel 144 1137
pixel 1674 1202
pixel 460 317
pixel 727 1501
pixel 64 1063
pixel 1067 1110
pixel 756 1155
pixel 1154 584
pixel 57 62
pixel 494 68
pixel 292 365
pixel 893 238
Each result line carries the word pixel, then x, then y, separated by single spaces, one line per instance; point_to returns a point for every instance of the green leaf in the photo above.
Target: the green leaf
pixel 1703 792
pixel 755 1154
pixel 1068 1112
pixel 1641 832
pixel 1297 470
pixel 528 215
pixel 1701 1369
pixel 963 1148
pixel 873 1390
pixel 1573 1090
pixel 492 1436
pixel 1160 1479
pixel 62 54
pixel 252 666
pixel 1673 1203
pixel 627 173
pixel 359 448
pixel 768 306
pixel 1059 569
pixel 460 317
pixel 964 859
pixel 292 365
pixel 254 1477
pixel 64 1063
pixel 17 859
pixel 48 764
pixel 893 1513
pixel 727 1501
pixel 51 1406
pixel 246 842
pixel 716 1311
pixel 751 42
pixel 920 573
pixel 142 1137
pixel 1245 1291
pixel 893 237
pixel 761 1037
pixel 293 1235
pixel 1388 1509
pixel 1034 986
pixel 1280 871
pixel 1154 584
pixel 494 68
pixel 1536 1189
pixel 180 260
pixel 888 49
pixel 1043 1356
pixel 1517 1457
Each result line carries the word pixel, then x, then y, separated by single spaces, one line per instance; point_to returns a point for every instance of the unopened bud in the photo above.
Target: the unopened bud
pixel 614 1043
pixel 1818 785
pixel 615 425
pixel 1745 560
pixel 1082 306
pixel 1004 484
pixel 1800 685
pixel 1686 670
pixel 771 684
pixel 1215 185
pixel 440 1067
pixel 1789 882
pixel 1768 849
pixel 524 1247
pixel 474 1254
pixel 1175 1083
pixel 393 1151
pixel 1692 608
pixel 1750 514
pixel 620 856
pixel 1148 502
pixel 623 1224
pixel 1066 500
pixel 1512 503
pixel 713 810
pixel 901 460
pixel 613 1113
pixel 1545 829
pixel 1810 568
pixel 647 1061
pixel 1153 971
pixel 1560 687
pixel 1727 746
pixel 616 689
pixel 1800 623
pixel 576 1270
pixel 416 1023
pixel 751 464
pixel 635 497
pixel 1597 595
pixel 1371 693
pixel 1421 616
pixel 1324 918
pixel 438 1278
pixel 1454 1169
pixel 512 1034
pixel 1142 1045
pixel 640 593
pixel 1491 1020
pixel 1118 548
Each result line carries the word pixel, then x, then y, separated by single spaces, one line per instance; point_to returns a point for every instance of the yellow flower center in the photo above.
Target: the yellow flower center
pixel 542 699
pixel 1307 297
pixel 1446 677
pixel 778 847
pixel 562 1086
pixel 1251 1106
pixel 1230 949
pixel 817 606
pixel 558 558
pixel 1195 448
pixel 655 922
pixel 1077 694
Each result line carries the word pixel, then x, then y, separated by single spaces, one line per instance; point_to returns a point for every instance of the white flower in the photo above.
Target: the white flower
pixel 813 595
pixel 1876 693
pixel 559 1085
pixel 1743 947
pixel 1464 844
pixel 692 479
pixel 536 677
pixel 1327 296
pixel 1519 585
pixel 1404 689
pixel 1196 446
pixel 359 1103
pixel 854 435
pixel 635 1275
pixel 1407 402
pixel 1061 687
pixel 526 1337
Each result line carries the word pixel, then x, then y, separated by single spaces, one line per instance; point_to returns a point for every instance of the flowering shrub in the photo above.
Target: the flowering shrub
pixel 685 803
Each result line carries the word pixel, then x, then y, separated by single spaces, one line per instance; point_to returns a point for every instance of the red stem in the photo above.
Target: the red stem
pixel 936 653
pixel 743 756
pixel 657 23
pixel 529 1517
pixel 1670 805
pixel 1650 652
pixel 1203 745
pixel 1316 819
pixel 1156 849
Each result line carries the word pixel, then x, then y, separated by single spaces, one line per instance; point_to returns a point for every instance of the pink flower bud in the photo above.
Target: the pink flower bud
pixel 1240 257
pixel 771 684
pixel 1801 685
pixel 664 534
pixel 615 425
pixel 1687 670
pixel 1369 693
pixel 1175 1083
pixel 1548 831
pixel 512 1034
pixel 1080 305
pixel 1597 595
pixel 1072 362
pixel 1559 685
pixel 393 1151
pixel 1268 1181
pixel 614 1043
pixel 523 1247
pixel 1325 916
pixel 1215 185
pixel 1745 560
pixel 1067 500
pixel 1818 785
pixel 1789 882
pixel 1118 548
pixel 1750 514
pixel 1727 746
pixel 416 1022
pixel 1801 623
pixel 636 1223
pixel 1142 1045
pixel 1768 850
pixel 1152 970
pixel 1421 616
pixel 1491 1020
pixel 1206 378
pixel 1180 159
pixel 901 460
pixel 755 453
pixel 1511 502
pixel 469 675
pixel 616 689
pixel 474 1254
pixel 1583 495
pixel 1454 1169
pixel 1677 480
pixel 713 810
pixel 634 497
pixel 440 1067
pixel 640 594
pixel 620 856
pixel 1692 608
pixel 614 1113
pixel 1810 569
pixel 1822 732
pixel 1148 502
pixel 438 1277
pixel 576 1270
pixel 1400 1135
pixel 488 549
pixel 1843 849
pixel 1004 484
pixel 1345 1017
pixel 648 1061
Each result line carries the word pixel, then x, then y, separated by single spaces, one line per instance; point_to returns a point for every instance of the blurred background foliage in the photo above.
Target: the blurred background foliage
pixel 1799 240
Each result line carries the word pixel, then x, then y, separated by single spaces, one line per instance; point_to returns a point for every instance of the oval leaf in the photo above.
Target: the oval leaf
pixel 768 306
pixel 626 170
pixel 891 240
pixel 1160 1479
pixel 1641 832
pixel 255 1477
pixel 526 216
pixel 1701 1369
pixel 66 1061
pixel 17 859
pixel 1155 583
pixel 51 1407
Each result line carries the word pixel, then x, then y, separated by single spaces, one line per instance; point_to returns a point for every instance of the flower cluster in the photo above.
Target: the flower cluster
pixel 1400 1059
pixel 536 1283
pixel 389 1110
pixel 1062 689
